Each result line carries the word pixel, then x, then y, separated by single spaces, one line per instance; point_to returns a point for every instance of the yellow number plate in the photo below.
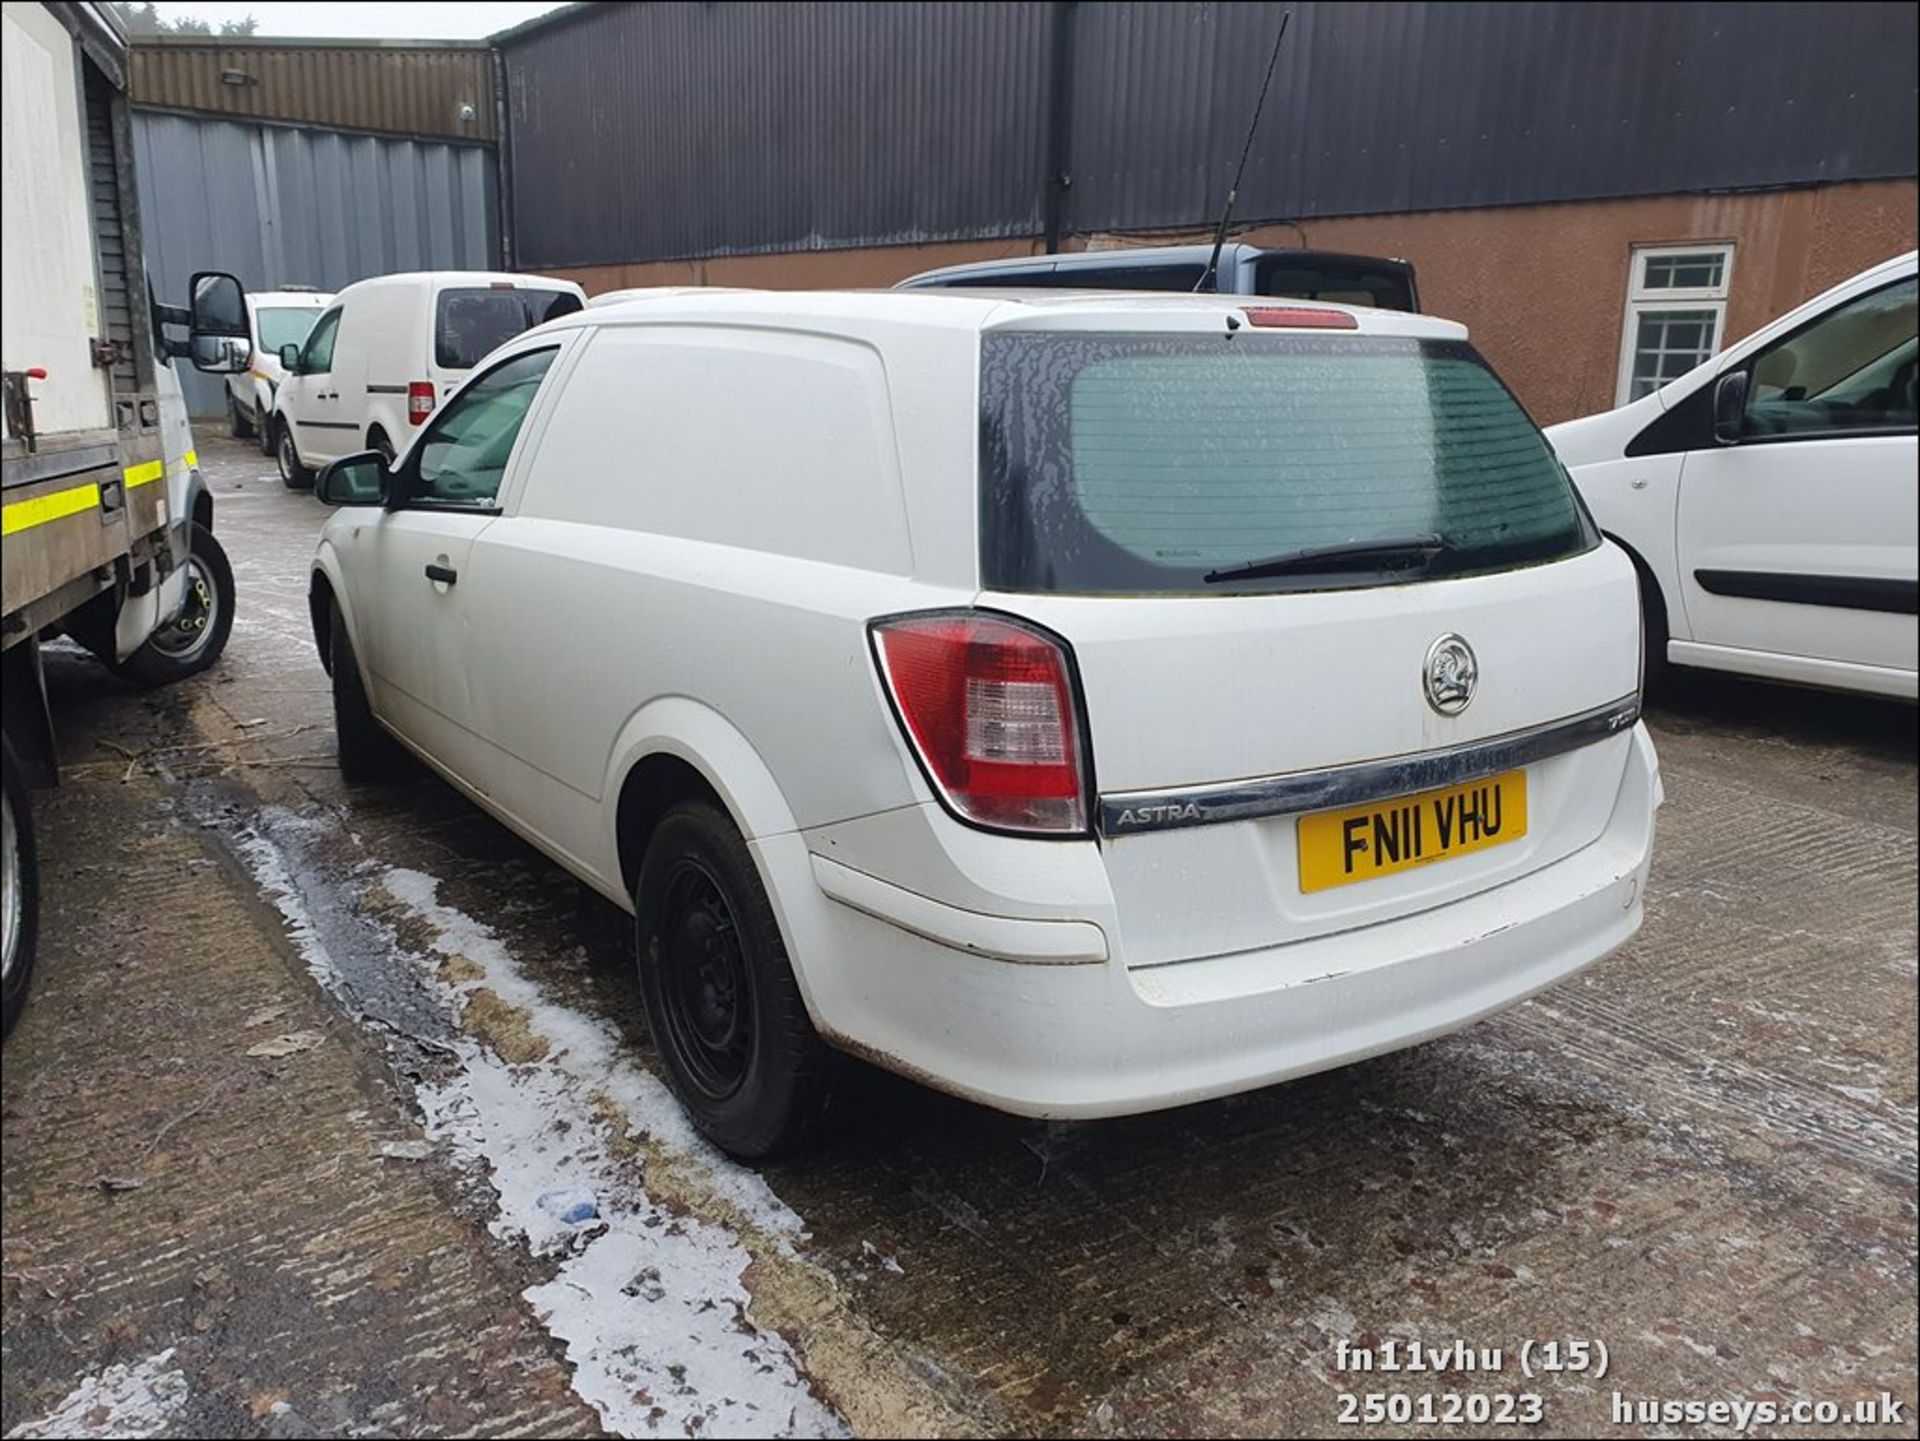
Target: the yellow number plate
pixel 1340 847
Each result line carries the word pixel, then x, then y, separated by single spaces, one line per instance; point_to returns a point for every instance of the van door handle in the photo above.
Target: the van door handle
pixel 445 574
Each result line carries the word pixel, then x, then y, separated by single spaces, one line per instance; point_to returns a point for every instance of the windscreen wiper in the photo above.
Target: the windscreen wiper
pixel 1351 555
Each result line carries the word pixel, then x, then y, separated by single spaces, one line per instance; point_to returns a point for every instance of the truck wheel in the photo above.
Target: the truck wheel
pixel 367 752
pixel 293 475
pixel 193 639
pixel 377 440
pixel 724 1008
pixel 239 420
pixel 19 890
pixel 263 427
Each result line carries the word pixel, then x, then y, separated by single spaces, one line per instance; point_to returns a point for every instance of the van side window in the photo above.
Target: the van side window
pixel 464 453
pixel 1850 370
pixel 316 357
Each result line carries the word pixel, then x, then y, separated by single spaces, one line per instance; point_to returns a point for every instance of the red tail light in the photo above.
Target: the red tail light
pixel 988 706
pixel 420 400
pixel 1300 317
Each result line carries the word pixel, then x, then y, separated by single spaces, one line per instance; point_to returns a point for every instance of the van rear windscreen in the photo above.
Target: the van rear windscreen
pixel 473 320
pixel 1128 464
pixel 1384 287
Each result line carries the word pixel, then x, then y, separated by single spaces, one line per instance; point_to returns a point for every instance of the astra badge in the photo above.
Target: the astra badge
pixel 1451 674
pixel 1161 815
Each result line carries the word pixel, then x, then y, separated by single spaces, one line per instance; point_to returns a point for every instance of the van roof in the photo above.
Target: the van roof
pixel 980 309
pixel 460 277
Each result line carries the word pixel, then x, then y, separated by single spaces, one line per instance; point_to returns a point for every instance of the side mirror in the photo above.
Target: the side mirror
pixel 217 313
pixel 360 479
pixel 290 358
pixel 1730 407
pixel 218 354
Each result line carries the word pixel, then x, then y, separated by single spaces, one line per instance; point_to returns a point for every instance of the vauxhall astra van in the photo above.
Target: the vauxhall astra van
pixel 1084 704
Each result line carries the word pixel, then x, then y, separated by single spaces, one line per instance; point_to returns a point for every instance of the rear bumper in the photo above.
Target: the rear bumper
pixel 1098 1039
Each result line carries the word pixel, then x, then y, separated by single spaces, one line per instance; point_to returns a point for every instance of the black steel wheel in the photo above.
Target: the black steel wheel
pixel 726 1012
pixel 706 993
pixel 367 752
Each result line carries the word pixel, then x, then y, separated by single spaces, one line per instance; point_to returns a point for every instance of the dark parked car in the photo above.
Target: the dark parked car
pixel 1244 270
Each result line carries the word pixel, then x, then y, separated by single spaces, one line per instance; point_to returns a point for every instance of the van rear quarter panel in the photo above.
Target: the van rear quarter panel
pixel 769 441
pixel 388 325
pixel 715 514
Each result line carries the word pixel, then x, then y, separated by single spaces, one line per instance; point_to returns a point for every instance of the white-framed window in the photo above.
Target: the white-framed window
pixel 1676 314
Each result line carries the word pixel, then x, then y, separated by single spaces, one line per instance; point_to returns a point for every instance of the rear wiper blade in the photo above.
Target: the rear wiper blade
pixel 1351 555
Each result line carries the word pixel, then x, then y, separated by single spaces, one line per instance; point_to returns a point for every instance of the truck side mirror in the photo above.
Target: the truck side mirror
pixel 218 305
pixel 1730 407
pixel 217 339
pixel 354 480
pixel 290 358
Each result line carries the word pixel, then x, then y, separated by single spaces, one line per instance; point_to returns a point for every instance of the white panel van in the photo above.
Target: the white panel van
pixel 379 360
pixel 1084 704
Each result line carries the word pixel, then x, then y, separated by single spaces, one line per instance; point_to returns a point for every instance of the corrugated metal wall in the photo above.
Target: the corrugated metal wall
pixel 398 87
pixel 276 206
pixel 657 131
pixel 643 131
pixel 1387 108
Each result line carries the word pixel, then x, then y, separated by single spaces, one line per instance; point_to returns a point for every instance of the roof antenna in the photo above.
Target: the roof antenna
pixel 1210 277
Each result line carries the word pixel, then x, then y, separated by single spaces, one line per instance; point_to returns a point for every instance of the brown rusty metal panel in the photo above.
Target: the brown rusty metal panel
pixel 439 89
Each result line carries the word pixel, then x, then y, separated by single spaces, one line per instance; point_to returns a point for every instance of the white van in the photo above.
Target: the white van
pixel 275 319
pixel 382 356
pixel 1768 499
pixel 1081 703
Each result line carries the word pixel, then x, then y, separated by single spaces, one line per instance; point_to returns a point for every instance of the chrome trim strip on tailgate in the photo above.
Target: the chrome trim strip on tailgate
pixel 1131 812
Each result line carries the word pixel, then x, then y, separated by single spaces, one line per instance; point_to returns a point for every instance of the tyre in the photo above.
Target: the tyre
pixel 195 638
pixel 19 891
pixel 1653 634
pixel 264 429
pixel 293 475
pixel 377 440
pixel 726 1013
pixel 239 419
pixel 367 752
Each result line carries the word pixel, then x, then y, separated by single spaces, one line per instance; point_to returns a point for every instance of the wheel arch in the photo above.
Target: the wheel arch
pixel 199 501
pixel 675 749
pixel 1648 578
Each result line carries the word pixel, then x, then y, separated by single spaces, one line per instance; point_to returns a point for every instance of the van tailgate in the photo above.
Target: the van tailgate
pixel 1191 692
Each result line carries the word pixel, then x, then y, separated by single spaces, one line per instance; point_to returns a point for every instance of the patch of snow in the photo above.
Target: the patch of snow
pixel 650 1305
pixel 592 1052
pixel 274 876
pixel 135 1400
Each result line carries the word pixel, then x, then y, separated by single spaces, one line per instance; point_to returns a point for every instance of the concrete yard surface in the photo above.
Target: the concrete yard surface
pixel 334 1113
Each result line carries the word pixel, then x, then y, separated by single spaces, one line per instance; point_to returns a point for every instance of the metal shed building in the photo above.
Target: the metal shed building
pixel 312 162
pixel 1530 160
